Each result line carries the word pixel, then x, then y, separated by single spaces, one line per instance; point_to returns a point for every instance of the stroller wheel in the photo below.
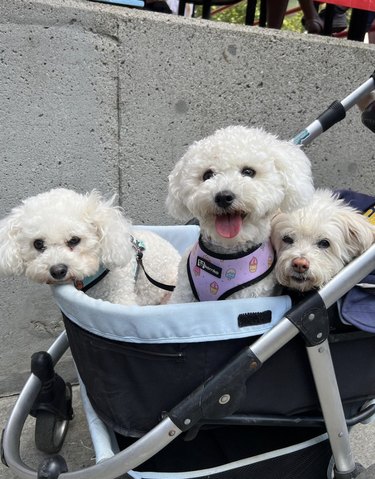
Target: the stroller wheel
pixel 50 429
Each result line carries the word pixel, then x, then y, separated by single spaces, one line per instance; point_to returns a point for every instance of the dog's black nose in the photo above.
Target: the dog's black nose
pixel 224 198
pixel 58 271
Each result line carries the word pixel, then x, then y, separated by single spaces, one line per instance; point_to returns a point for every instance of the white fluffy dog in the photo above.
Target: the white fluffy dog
pixel 62 236
pixel 234 182
pixel 315 242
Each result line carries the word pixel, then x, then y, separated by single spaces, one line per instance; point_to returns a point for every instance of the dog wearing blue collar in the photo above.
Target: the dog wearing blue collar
pixel 62 236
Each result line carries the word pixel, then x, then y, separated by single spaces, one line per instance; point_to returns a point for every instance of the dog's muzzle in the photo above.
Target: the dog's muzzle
pixel 58 271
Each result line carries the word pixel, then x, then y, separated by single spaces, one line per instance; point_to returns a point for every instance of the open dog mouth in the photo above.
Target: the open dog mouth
pixel 60 281
pixel 229 225
pixel 56 282
pixel 300 278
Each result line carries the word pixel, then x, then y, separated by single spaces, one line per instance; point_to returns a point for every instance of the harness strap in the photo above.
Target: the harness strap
pixel 166 287
pixel 139 248
pixel 85 287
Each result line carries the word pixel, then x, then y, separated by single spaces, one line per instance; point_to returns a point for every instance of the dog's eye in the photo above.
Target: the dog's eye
pixel 247 171
pixel 39 245
pixel 323 244
pixel 74 240
pixel 288 240
pixel 207 175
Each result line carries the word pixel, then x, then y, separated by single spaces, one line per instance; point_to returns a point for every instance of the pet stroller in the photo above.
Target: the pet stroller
pixel 250 388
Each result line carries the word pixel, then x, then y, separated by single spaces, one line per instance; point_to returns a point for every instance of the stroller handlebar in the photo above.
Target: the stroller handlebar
pixel 335 113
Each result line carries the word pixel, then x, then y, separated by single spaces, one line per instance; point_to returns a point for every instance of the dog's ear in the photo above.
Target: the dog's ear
pixel 113 230
pixel 175 200
pixel 11 262
pixel 295 170
pixel 276 222
pixel 358 232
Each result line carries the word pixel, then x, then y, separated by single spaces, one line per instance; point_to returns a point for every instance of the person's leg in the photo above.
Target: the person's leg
pixel 371 33
pixel 371 27
pixel 275 13
pixel 358 25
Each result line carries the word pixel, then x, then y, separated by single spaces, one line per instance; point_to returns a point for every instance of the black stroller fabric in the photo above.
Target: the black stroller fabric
pixel 216 446
pixel 357 307
pixel 132 385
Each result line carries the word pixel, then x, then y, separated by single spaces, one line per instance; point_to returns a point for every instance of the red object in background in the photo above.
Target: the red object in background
pixel 361 4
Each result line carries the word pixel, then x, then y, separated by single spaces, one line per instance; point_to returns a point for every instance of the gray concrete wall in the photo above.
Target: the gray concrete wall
pixel 96 96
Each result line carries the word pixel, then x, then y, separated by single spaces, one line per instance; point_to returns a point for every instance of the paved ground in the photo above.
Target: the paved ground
pixel 79 453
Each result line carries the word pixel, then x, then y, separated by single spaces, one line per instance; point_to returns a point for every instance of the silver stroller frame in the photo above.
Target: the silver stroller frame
pixel 309 319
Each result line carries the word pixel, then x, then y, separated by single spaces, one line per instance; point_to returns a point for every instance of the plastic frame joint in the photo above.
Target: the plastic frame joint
pixel 311 318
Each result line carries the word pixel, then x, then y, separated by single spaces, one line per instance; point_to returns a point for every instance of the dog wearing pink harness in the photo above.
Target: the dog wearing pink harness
pixel 234 182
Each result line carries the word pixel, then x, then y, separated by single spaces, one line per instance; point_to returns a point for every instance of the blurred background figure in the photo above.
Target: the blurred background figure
pixel 276 10
pixel 312 21
pixel 174 4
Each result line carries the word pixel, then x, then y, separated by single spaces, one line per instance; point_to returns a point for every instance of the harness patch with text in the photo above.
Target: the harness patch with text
pixel 210 268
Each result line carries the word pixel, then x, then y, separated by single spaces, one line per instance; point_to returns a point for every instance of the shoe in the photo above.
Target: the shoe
pixel 315 25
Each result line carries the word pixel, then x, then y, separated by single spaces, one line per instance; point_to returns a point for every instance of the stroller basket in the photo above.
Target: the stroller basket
pixel 151 358
pixel 141 377
pixel 236 389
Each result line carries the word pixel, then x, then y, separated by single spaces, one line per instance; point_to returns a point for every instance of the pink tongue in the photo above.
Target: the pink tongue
pixel 228 226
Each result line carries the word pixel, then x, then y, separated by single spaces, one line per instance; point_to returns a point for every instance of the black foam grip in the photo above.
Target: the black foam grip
pixel 333 114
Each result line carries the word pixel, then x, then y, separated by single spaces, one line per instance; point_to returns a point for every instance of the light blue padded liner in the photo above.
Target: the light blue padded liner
pixel 174 323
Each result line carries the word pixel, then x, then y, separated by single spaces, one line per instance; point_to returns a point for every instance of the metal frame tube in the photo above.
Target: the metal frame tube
pixel 330 402
pixel 146 447
pixel 307 135
pixel 14 426
pixel 348 277
pixel 59 347
pixel 270 342
pixel 354 97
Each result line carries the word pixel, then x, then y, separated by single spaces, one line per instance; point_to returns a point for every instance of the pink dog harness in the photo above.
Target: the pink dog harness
pixel 216 276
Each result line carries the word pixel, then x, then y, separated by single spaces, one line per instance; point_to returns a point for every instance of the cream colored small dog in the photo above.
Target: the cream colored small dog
pixel 234 182
pixel 315 242
pixel 63 236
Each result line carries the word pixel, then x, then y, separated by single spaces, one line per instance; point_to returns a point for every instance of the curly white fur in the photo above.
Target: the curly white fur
pixel 61 236
pixel 255 174
pixel 315 242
